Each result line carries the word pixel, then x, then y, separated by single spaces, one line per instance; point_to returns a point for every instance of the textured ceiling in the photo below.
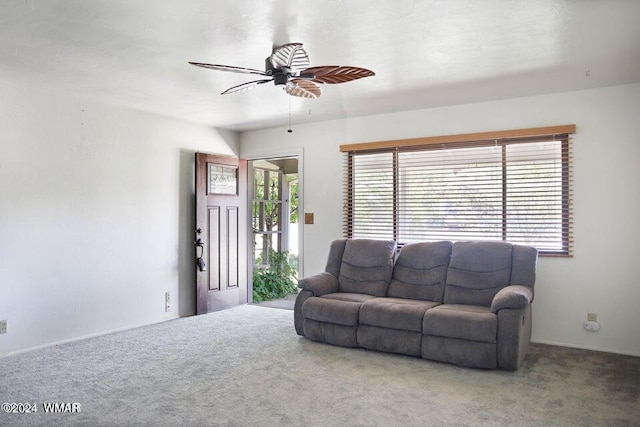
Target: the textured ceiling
pixel 425 53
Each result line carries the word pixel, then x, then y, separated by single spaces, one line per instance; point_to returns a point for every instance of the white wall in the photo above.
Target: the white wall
pixel 601 277
pixel 96 216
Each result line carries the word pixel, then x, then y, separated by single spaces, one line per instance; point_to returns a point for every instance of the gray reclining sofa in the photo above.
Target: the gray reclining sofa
pixel 467 303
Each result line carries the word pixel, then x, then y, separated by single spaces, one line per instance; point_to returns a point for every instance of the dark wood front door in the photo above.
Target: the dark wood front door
pixel 221 232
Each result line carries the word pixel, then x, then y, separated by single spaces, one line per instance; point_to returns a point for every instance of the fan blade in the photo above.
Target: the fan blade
pixel 231 68
pixel 303 89
pixel 245 86
pixel 334 74
pixel 290 55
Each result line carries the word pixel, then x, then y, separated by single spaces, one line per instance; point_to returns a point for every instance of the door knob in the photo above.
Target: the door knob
pixel 202 266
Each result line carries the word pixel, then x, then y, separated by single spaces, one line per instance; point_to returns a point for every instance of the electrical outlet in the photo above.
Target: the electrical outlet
pixel 3 326
pixel 591 326
pixel 592 317
pixel 167 301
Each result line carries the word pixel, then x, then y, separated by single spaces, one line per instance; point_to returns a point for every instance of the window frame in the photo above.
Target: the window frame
pixel 452 142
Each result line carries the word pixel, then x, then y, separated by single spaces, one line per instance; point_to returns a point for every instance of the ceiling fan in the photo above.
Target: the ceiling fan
pixel 288 66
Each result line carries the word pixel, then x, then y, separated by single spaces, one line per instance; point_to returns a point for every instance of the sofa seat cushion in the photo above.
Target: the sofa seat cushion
pixel 467 322
pixel 341 308
pixel 348 296
pixel 395 313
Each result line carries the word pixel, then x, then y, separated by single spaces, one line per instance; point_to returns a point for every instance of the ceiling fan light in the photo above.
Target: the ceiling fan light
pixel 303 89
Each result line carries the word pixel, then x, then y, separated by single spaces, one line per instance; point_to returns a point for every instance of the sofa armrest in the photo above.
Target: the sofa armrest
pixel 319 284
pixel 513 296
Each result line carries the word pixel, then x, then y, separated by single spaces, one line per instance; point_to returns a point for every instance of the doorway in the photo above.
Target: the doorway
pixel 274 185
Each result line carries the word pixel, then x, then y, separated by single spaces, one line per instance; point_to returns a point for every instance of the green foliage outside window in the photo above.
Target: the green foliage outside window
pixel 266 202
pixel 292 180
pixel 275 281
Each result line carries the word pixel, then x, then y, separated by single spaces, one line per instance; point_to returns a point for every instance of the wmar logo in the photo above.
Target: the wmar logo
pixel 61 408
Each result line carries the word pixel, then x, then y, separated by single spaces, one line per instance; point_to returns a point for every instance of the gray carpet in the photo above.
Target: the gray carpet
pixel 246 366
pixel 286 303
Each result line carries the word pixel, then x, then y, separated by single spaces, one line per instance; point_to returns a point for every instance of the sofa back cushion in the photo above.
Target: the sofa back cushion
pixel 367 266
pixel 477 271
pixel 420 271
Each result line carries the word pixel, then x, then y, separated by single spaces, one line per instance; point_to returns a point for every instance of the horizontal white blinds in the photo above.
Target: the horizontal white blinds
pixel 372 201
pixel 513 190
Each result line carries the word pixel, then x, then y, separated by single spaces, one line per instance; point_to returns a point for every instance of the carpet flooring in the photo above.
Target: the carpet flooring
pixel 247 367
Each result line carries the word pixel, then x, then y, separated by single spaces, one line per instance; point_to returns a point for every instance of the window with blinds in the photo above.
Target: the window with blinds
pixel 512 189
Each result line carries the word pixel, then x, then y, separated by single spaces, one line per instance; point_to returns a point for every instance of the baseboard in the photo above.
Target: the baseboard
pixel 586 347
pixel 84 337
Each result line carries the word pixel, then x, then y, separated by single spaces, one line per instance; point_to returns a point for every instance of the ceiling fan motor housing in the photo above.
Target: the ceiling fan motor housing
pixel 281 77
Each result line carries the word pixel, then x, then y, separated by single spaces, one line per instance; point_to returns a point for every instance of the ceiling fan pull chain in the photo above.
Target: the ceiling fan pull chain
pixel 290 130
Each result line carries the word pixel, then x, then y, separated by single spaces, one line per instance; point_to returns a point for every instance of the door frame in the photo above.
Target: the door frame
pixel 275 154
